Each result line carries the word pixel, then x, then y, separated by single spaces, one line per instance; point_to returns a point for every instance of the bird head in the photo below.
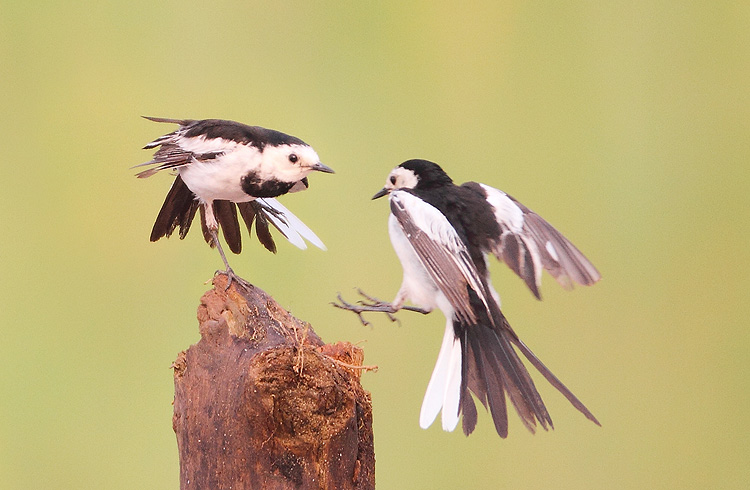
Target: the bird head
pixel 414 174
pixel 292 162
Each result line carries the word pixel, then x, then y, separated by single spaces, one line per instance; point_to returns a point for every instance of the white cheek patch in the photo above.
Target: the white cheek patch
pixel 277 166
pixel 405 179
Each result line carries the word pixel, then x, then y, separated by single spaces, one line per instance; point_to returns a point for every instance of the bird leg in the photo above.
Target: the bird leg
pixel 231 276
pixel 373 304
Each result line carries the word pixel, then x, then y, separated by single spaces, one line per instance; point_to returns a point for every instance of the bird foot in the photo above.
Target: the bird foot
pixel 372 304
pixel 231 276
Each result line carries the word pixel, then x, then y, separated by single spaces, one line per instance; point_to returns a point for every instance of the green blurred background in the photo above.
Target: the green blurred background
pixel 625 124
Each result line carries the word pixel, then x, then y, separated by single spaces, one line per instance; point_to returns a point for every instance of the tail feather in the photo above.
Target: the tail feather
pixel 554 381
pixel 434 398
pixel 469 414
pixel 508 369
pixel 495 395
pixel 452 391
pixel 490 369
pixel 473 380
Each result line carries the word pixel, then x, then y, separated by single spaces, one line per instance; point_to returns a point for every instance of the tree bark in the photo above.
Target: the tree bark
pixel 262 403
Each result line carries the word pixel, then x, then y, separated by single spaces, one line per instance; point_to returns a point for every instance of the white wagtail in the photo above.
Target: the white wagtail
pixel 442 234
pixel 222 164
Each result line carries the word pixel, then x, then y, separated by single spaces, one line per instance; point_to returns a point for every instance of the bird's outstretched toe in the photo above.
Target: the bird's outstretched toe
pixel 372 304
pixel 231 276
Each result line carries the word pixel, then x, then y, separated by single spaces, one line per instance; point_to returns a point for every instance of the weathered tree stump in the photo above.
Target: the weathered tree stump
pixel 262 403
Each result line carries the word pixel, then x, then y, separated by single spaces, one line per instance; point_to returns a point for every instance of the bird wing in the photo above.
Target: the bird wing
pixel 441 252
pixel 528 244
pixel 290 225
pixel 177 150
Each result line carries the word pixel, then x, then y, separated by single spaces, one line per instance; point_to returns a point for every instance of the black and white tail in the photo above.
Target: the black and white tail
pixel 482 359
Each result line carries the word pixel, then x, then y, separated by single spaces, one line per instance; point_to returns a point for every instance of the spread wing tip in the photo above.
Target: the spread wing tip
pixel 181 122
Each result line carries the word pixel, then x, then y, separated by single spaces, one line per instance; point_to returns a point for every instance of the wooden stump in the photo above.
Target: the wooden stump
pixel 262 403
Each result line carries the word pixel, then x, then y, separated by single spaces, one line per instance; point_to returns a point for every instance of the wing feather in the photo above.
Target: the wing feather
pixel 178 209
pixel 290 225
pixel 440 250
pixel 252 212
pixel 528 244
pixel 226 215
pixel 176 150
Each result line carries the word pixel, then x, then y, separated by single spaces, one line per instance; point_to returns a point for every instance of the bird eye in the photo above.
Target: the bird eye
pixel 293 158
pixel 393 179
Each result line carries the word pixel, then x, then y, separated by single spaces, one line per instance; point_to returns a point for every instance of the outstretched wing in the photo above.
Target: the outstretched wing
pixel 528 244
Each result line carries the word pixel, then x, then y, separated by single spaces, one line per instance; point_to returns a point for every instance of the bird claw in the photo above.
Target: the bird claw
pixel 231 276
pixel 375 302
pixel 372 304
pixel 362 306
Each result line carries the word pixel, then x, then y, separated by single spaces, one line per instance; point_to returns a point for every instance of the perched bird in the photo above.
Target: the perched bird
pixel 223 166
pixel 442 234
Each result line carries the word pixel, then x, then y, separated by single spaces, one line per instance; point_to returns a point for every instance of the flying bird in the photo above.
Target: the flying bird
pixel 442 234
pixel 226 166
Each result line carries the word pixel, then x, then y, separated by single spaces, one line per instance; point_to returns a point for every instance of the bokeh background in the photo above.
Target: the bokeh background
pixel 625 124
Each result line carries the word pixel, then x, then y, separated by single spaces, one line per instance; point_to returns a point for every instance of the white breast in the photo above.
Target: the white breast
pixel 220 178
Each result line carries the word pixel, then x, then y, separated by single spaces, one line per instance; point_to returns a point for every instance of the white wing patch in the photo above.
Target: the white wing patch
pixel 506 211
pixel 514 246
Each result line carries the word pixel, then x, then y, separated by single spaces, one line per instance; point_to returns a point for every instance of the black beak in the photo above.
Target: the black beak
pixel 382 192
pixel 322 168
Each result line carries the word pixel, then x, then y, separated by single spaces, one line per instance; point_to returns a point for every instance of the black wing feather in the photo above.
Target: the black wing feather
pixel 570 262
pixel 523 240
pixel 226 216
pixel 178 209
pixel 253 212
pixel 440 262
pixel 261 229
